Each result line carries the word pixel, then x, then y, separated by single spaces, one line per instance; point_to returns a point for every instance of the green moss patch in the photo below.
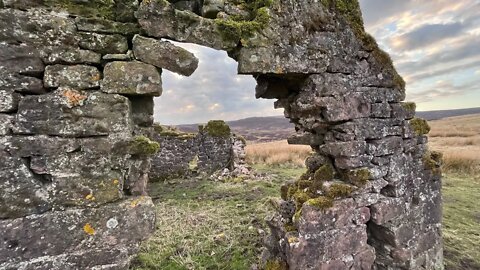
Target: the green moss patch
pixel 340 190
pixel 217 128
pixel 237 28
pixel 420 126
pixel 433 161
pixel 141 145
pixel 324 173
pixel 358 177
pixel 321 202
pixel 409 106
pixel 276 265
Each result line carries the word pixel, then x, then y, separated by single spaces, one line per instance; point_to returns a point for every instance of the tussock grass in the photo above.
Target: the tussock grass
pixel 277 153
pixel 458 138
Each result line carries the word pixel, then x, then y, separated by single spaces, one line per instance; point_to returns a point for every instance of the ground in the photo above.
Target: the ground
pixel 202 224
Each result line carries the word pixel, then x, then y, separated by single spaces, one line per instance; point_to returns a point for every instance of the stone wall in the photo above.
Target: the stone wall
pixel 76 105
pixel 77 80
pixel 185 154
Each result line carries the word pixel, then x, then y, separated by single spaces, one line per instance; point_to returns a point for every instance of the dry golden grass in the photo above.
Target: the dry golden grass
pixel 277 153
pixel 458 138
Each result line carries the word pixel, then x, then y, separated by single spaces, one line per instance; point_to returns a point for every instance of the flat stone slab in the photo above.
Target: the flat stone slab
pixel 164 54
pixel 131 78
pixel 73 113
pixel 75 233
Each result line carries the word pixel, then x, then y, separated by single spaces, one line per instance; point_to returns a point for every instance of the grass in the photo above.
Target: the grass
pixel 278 153
pixel 203 224
pixel 461 221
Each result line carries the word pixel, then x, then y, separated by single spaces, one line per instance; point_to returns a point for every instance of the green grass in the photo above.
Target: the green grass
pixel 461 221
pixel 203 224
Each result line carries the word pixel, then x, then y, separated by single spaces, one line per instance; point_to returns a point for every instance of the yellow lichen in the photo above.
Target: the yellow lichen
pixel 276 264
pixel 88 229
pixel 90 197
pixel 292 240
pixel 116 182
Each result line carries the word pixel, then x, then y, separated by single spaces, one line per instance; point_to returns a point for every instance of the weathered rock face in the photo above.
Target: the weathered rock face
pixel 77 82
pixel 183 154
pixel 75 105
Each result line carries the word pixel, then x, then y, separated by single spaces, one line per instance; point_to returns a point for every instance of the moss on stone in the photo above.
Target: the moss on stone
pixel 297 215
pixel 358 177
pixel 409 106
pixel 284 191
pixel 301 197
pixel 433 161
pixel 290 227
pixel 217 128
pixel 420 126
pixel 321 202
pixel 339 190
pixel 276 264
pixel 96 8
pixel 303 184
pixel 141 145
pixel 237 28
pixel 324 173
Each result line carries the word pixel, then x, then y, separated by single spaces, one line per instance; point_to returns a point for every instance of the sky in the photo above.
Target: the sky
pixel 435 46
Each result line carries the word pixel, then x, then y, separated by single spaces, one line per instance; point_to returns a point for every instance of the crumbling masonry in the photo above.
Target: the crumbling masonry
pixel 77 80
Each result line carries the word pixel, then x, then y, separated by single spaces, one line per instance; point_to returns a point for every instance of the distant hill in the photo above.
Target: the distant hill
pixel 436 115
pixel 273 128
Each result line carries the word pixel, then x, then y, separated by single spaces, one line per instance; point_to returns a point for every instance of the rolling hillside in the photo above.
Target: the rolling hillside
pixel 274 128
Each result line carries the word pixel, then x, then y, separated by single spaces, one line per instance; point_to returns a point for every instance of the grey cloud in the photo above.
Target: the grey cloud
pixel 428 34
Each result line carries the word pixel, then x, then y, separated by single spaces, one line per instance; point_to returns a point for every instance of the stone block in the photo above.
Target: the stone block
pixel 344 149
pixel 164 54
pixel 69 55
pixel 98 25
pixel 131 78
pixel 8 101
pixel 77 231
pixel 71 113
pixel 22 192
pixel 388 209
pixel 6 122
pixel 103 44
pixel 381 110
pixel 386 146
pixel 77 77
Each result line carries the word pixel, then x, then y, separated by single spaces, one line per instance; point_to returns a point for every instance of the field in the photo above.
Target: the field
pixel 220 225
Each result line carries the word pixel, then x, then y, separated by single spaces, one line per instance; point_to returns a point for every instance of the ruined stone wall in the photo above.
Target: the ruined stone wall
pixel 76 84
pixel 76 108
pixel 183 154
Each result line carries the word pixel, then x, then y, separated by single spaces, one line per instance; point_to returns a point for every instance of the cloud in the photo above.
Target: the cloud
pixel 213 91
pixel 426 35
pixel 444 89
